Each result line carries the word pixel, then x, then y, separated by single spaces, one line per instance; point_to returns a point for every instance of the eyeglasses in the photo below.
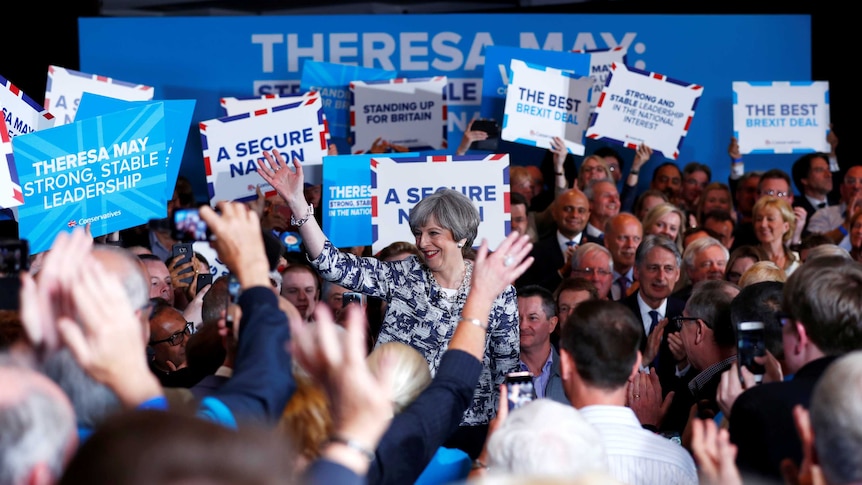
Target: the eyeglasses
pixel 176 338
pixel 679 321
pixel 775 193
pixel 593 271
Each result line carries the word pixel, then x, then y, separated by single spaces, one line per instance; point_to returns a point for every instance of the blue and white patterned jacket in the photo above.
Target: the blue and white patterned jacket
pixel 417 314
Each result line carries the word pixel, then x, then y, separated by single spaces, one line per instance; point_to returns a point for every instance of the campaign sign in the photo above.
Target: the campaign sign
pixel 644 107
pixel 781 116
pixel 600 66
pixel 398 184
pixel 332 81
pixel 406 112
pixel 346 198
pixel 10 189
pixel 234 106
pixel 107 171
pixel 178 118
pixel 22 113
pixel 496 76
pixel 233 145
pixel 543 102
pixel 65 87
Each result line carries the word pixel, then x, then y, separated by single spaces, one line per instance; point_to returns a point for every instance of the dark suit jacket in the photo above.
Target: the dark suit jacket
pixel 666 365
pixel 548 260
pixel 761 423
pixel 207 386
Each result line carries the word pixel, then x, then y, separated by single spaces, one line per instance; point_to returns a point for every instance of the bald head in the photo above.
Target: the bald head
pixel 623 234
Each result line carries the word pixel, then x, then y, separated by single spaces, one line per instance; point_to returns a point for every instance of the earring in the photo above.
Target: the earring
pixel 460 245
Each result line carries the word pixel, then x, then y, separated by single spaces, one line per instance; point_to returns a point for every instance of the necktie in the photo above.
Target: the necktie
pixel 654 316
pixel 623 283
pixel 571 244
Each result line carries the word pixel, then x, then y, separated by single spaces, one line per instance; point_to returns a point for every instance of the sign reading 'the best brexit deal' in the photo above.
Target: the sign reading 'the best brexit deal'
pixel 108 171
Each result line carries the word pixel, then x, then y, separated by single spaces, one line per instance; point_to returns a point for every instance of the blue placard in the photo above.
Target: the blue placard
pixel 332 81
pixel 498 72
pixel 346 198
pixel 108 171
pixel 178 118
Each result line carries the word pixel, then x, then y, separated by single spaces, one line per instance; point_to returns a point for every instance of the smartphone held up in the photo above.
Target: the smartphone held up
pixel 751 343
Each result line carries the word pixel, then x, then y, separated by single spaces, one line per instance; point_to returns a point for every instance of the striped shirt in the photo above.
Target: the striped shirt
pixel 637 456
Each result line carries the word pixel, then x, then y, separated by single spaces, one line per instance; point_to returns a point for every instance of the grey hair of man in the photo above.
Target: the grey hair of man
pixel 825 295
pixel 586 249
pixel 93 401
pixel 710 301
pixel 697 246
pixel 828 250
pixel 590 189
pixel 131 272
pixel 36 427
pixel 546 438
pixel 652 241
pixel 453 211
pixel 836 420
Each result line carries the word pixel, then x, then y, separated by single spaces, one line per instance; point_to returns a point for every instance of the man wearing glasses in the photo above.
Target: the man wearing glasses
pixel 169 333
pixel 594 263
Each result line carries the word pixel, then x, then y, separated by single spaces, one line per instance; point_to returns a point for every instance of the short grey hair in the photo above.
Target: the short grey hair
pixel 586 249
pixel 453 211
pixel 135 283
pixel 836 419
pixel 37 428
pixel 652 241
pixel 546 438
pixel 698 245
pixel 590 189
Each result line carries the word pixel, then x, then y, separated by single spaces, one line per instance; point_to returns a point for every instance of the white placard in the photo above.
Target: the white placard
pixel 398 184
pixel 543 102
pixel 644 107
pixel 22 113
pixel 406 112
pixel 65 87
pixel 601 61
pixel 781 116
pixel 233 106
pixel 233 145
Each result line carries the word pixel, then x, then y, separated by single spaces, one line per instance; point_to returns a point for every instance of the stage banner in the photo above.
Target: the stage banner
pixel 644 107
pixel 398 184
pixel 178 118
pixel 346 198
pixel 208 58
pixel 22 113
pixel 497 76
pixel 65 87
pixel 332 81
pixel 781 116
pixel 409 113
pixel 10 189
pixel 544 102
pixel 107 171
pixel 233 145
pixel 600 67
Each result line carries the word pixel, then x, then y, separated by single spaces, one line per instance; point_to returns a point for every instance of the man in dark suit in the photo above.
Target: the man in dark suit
pixel 657 263
pixel 571 211
pixel 812 177
pixel 823 306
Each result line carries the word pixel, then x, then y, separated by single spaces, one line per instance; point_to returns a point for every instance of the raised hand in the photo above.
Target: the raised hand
pixel 289 184
pixel 714 454
pixel 644 398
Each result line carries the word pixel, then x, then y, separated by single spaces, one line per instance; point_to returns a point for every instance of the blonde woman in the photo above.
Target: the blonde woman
pixel 774 225
pixel 668 220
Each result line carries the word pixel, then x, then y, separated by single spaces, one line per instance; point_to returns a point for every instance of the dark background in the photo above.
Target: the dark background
pixel 37 35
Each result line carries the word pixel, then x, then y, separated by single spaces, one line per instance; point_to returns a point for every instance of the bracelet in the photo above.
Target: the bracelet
pixel 478 464
pixel 634 171
pixel 353 445
pixel 308 214
pixel 474 321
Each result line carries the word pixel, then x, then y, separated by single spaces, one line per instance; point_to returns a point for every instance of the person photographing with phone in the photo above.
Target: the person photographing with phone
pixel 424 294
